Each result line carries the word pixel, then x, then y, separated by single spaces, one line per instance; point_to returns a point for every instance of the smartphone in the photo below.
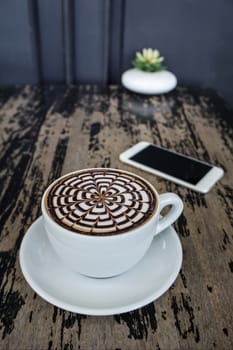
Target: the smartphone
pixel 181 169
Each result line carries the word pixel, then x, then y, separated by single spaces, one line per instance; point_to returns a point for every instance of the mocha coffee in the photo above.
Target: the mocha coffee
pixel 100 201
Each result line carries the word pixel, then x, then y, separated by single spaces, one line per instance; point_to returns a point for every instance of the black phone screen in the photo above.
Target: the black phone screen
pixel 172 164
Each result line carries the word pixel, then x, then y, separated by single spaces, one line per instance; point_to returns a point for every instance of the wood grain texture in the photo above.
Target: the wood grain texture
pixel 46 132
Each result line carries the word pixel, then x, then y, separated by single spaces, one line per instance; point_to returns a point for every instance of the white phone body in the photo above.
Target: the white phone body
pixel 204 184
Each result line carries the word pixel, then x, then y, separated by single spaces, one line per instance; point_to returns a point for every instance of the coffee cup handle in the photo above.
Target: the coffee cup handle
pixel 169 199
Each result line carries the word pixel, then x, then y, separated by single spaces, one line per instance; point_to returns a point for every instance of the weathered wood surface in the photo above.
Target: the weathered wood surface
pixel 46 132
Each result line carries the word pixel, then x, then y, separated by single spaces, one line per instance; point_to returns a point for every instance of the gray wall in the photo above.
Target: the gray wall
pixel 86 41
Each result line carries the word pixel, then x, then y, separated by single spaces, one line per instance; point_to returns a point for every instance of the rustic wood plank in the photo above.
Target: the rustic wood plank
pixel 46 132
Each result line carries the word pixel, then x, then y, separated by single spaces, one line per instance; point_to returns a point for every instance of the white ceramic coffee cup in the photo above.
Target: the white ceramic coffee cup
pixel 109 255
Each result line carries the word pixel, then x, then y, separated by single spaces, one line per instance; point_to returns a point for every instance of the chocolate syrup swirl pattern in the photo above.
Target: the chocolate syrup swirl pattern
pixel 101 202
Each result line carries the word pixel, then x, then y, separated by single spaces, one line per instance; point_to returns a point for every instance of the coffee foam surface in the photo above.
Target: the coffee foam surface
pixel 100 202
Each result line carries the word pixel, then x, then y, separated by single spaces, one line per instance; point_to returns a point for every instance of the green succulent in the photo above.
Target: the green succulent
pixel 149 61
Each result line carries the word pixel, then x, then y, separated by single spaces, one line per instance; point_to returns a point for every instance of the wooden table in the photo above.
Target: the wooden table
pixel 49 131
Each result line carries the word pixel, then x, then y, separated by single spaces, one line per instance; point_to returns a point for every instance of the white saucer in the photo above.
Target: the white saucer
pixel 145 282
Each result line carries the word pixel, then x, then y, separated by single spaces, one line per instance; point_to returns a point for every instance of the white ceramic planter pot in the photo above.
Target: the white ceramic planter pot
pixel 147 82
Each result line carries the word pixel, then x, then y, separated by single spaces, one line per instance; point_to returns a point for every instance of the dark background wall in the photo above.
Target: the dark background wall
pixel 86 41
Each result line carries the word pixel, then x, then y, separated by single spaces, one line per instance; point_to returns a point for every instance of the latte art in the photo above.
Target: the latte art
pixel 100 201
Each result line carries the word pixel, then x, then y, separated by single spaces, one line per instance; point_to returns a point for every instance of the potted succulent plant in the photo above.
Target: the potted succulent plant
pixel 149 75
